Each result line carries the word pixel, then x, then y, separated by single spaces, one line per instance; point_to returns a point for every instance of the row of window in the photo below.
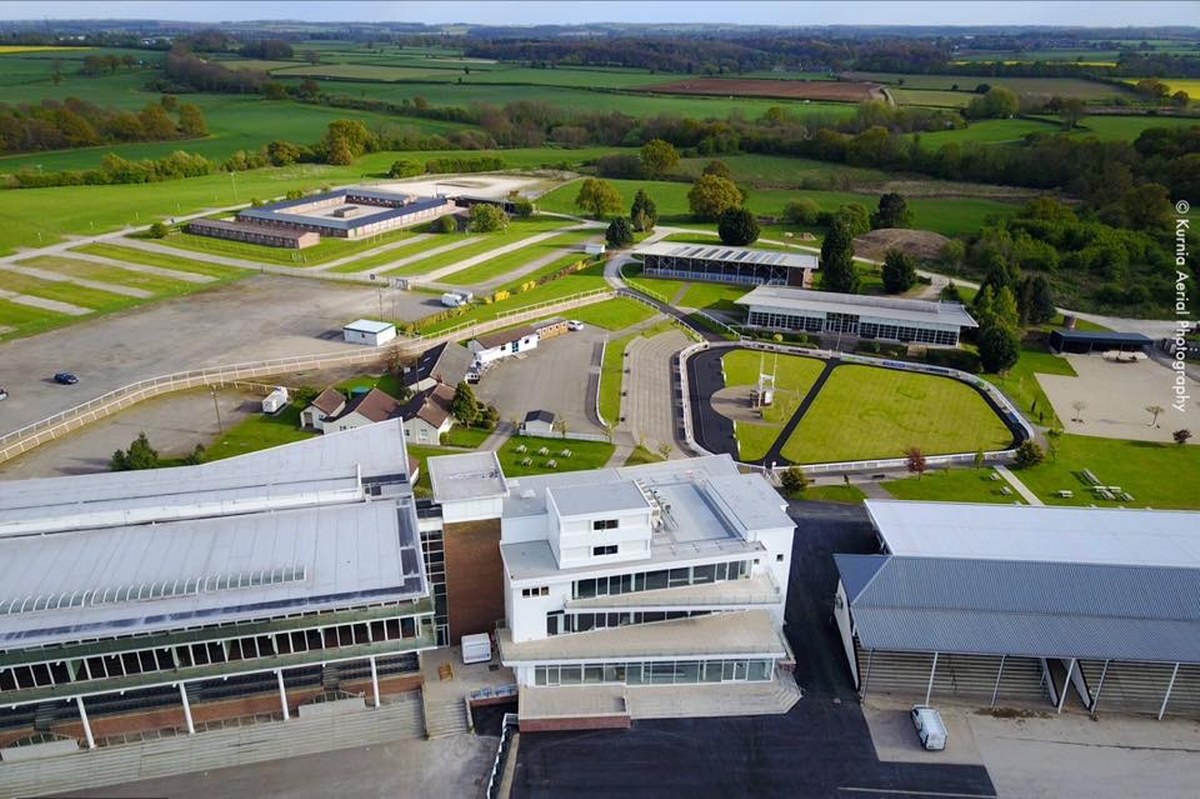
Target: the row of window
pixel 906 334
pixel 847 323
pixel 661 578
pixel 688 268
pixel 557 622
pixel 145 661
pixel 433 545
pixel 605 524
pixel 671 672
pixel 543 590
pixel 607 549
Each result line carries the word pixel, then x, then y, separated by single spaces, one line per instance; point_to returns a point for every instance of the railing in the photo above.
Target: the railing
pixel 494 692
pixel 30 436
pixel 497 776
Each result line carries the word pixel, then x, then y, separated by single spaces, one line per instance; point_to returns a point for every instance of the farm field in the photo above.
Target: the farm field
pixel 780 170
pixel 835 91
pixel 866 412
pixel 1087 90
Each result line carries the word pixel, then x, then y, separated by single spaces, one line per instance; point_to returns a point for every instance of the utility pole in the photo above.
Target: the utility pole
pixel 216 409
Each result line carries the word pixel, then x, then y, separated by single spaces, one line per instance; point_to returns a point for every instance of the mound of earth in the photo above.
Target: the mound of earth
pixel 924 245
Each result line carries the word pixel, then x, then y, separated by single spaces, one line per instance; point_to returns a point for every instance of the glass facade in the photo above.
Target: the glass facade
pixel 658 672
pixel 582 622
pixel 660 578
pixel 848 323
pixel 432 545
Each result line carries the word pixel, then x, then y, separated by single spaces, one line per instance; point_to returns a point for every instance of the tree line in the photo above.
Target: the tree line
pixel 59 125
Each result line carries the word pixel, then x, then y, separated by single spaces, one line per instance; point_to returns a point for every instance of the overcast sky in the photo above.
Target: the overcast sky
pixel 1094 13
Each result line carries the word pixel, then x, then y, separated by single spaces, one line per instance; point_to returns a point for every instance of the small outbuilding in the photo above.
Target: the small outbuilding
pixel 328 404
pixel 494 346
pixel 1087 341
pixel 369 332
pixel 539 423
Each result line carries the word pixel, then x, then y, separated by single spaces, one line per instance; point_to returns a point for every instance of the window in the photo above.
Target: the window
pixel 531 592
pixel 609 549
pixel 779 558
pixel 604 524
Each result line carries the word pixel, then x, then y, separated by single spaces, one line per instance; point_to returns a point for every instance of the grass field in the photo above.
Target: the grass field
pixel 180 264
pixel 259 431
pixel 466 437
pixel 563 244
pixel 1063 87
pixel 583 455
pixel 615 314
pixel 794 378
pixel 849 494
pixel 953 485
pixel 1022 387
pixel 517 230
pixel 115 275
pixel 865 412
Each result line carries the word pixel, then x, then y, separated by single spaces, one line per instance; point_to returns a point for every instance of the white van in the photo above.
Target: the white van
pixel 476 648
pixel 930 728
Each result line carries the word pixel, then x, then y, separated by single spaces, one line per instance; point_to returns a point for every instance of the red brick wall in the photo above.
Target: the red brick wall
pixel 474 577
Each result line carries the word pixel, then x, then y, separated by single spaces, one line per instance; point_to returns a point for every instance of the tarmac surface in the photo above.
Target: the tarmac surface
pixel 821 748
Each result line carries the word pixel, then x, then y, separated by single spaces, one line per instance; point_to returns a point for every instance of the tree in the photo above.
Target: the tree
pixel 999 347
pixel 486 218
pixel 837 261
pixel 619 233
pixel 338 152
pixel 308 90
pixel 169 101
pixel 312 57
pixel 1054 442
pixel 718 168
pixel 1181 436
pixel 598 197
pixel 1072 110
pixel 893 211
pixel 658 158
pixel 643 213
pixel 997 103
pixel 191 121
pixel 793 480
pixel 737 227
pixel 952 253
pixel 157 231
pixel 1035 302
pixel 1154 411
pixel 446 223
pixel 980 459
pixel 283 153
pixel 140 455
pixel 899 272
pixel 855 217
pixel 1028 454
pixel 711 195
pixel 914 461
pixel 801 212
pixel 197 456
pixel 405 168
pixel 464 407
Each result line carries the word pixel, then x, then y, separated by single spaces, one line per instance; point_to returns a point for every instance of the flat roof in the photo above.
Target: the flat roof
pixel 611 497
pixel 471 475
pixel 266 213
pixel 902 310
pixel 1050 534
pixel 1030 609
pixel 750 632
pixel 1101 337
pixel 724 254
pixel 369 326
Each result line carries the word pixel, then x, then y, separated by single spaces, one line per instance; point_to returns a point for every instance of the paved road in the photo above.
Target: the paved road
pixel 648 406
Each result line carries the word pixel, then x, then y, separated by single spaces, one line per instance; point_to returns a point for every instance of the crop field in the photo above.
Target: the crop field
pixel 1117 128
pixel 990 131
pixel 496 267
pixel 865 412
pixel 833 91
pixel 934 98
pixel 1063 87
pixel 784 171
pixel 5 49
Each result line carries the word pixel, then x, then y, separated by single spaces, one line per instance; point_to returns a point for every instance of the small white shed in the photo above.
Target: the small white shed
pixel 369 332
pixel 593 249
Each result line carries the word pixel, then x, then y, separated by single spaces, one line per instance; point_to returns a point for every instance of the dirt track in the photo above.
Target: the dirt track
pixel 838 91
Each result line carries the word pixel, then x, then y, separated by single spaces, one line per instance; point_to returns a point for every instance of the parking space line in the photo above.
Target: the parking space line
pixel 903 792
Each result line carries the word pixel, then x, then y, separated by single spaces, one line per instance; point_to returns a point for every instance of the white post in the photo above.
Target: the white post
pixel 187 709
pixel 1062 696
pixel 867 676
pixel 283 696
pixel 87 728
pixel 932 671
pixel 1170 685
pixel 999 674
pixel 374 681
pixel 1100 687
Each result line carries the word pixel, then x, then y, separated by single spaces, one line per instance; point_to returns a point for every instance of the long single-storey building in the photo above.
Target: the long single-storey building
pixel 1026 605
pixel 721 264
pixel 253 233
pixel 1087 341
pixel 348 213
pixel 884 318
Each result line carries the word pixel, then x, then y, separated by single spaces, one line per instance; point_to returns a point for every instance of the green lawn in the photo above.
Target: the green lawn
pixel 866 412
pixel 714 296
pixel 115 275
pixel 80 296
pixel 1021 385
pixel 564 244
pixel 953 485
pixel 259 431
pixel 17 320
pixel 1157 475
pixel 641 455
pixel 616 314
pixel 517 230
pixel 844 493
pixel 584 455
pixel 179 264
pixel 407 251
pixel 468 437
pixel 794 377
pixel 754 440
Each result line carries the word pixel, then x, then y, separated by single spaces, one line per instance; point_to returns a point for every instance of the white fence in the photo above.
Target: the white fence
pixel 50 428
pixel 992 456
pixel 497 776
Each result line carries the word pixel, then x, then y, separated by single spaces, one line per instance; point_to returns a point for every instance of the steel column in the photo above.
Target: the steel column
pixel 1062 696
pixel 374 681
pixel 999 674
pixel 1100 687
pixel 932 672
pixel 283 695
pixel 187 709
pixel 867 677
pixel 87 728
pixel 1170 685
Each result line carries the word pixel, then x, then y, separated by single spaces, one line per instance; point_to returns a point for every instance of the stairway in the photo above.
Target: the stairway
pixel 445 717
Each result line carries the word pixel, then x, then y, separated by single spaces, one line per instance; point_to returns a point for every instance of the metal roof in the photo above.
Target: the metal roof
pixel 589 499
pixel 1136 613
pixel 790 299
pixel 1011 532
pixel 1101 337
pixel 735 255
pixel 368 326
pixel 266 213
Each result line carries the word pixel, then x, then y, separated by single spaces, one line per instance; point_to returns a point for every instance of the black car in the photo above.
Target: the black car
pixel 66 379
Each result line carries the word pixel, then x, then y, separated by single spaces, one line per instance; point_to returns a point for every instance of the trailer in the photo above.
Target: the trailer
pixel 275 401
pixel 476 648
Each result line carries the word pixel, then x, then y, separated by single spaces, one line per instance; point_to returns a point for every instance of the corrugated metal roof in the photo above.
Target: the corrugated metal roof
pixel 1141 613
pixel 857 571
pixel 720 253
pixel 786 298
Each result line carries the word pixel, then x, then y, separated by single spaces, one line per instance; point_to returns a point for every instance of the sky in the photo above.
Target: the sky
pixel 1090 13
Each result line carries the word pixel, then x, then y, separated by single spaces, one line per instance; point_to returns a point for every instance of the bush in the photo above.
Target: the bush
pixel 447 223
pixel 404 168
pixel 801 212
pixel 157 231
pixel 793 480
pixel 479 164
pixel 486 218
pixel 1028 454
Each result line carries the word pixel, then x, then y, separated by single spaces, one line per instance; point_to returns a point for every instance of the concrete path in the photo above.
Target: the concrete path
pixel 395 245
pixel 158 271
pixel 648 405
pixel 56 277
pixel 504 430
pixel 1016 483
pixel 44 304
pixel 392 266
pixel 212 258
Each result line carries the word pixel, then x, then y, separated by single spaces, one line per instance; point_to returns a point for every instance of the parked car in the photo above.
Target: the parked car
pixel 3 393
pixel 66 379
pixel 930 729
pixel 574 324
